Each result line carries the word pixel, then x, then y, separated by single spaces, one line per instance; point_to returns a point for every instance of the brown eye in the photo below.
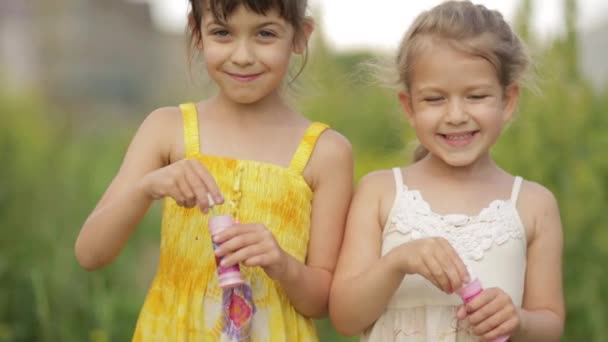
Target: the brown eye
pixel 267 34
pixel 220 33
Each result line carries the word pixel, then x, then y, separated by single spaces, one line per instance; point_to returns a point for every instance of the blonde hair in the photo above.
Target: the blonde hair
pixel 471 28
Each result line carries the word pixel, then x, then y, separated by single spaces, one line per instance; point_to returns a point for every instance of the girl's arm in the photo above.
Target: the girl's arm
pixel 542 316
pixel 331 166
pixel 137 183
pixel 364 282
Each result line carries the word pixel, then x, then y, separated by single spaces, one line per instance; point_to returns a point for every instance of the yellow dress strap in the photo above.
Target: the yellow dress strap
pixel 307 145
pixel 191 140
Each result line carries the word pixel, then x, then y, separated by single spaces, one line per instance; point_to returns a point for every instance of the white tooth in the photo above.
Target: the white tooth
pixel 459 137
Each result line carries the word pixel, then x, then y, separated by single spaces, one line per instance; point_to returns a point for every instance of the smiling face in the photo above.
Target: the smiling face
pixel 248 54
pixel 456 104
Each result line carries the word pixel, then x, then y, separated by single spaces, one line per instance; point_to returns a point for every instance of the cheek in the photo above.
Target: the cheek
pixel 277 58
pixel 213 57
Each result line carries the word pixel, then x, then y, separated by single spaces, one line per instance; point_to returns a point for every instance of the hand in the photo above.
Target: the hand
pixel 188 182
pixel 252 245
pixel 436 260
pixel 491 314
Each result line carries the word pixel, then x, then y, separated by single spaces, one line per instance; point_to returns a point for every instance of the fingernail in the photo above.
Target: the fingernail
pixel 219 199
pixel 210 200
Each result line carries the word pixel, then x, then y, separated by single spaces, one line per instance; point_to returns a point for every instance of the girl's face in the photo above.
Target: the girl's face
pixel 248 55
pixel 456 104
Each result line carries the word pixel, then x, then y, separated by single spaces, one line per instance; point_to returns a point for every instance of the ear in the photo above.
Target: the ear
pixel 511 99
pixel 301 41
pixel 406 103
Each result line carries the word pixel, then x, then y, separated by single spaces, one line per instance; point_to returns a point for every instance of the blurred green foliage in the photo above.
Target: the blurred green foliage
pixel 54 168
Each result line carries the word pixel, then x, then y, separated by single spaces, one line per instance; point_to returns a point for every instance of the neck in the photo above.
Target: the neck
pixel 271 108
pixel 482 168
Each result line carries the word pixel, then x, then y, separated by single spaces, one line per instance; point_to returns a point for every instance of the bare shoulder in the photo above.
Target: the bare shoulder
pixel 163 128
pixel 332 157
pixel 540 209
pixel 538 197
pixel 164 117
pixel 333 145
pixel 380 180
pixel 378 187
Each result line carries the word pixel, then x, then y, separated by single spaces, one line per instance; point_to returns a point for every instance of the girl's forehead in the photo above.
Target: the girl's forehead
pixel 444 64
pixel 240 13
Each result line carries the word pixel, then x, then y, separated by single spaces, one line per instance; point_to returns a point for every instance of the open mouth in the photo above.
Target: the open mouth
pixel 459 139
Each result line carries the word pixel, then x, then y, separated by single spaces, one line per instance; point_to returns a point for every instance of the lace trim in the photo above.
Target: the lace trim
pixel 471 236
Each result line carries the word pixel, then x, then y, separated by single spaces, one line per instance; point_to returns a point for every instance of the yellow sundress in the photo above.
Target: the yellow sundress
pixel 184 302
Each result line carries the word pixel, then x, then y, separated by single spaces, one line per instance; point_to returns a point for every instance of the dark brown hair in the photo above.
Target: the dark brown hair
pixel 292 11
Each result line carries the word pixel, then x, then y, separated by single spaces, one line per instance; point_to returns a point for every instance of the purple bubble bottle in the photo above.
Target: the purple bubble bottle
pixel 228 277
pixel 470 291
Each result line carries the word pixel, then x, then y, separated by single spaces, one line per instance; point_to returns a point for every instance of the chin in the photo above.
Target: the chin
pixel 245 99
pixel 458 161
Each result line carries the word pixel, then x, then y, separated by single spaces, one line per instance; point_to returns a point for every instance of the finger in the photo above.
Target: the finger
pixel 445 258
pixel 505 329
pixel 242 254
pixel 482 308
pixel 187 197
pixel 232 232
pixel 492 322
pixel 485 297
pixel 198 186
pixel 461 313
pixel 457 264
pixel 437 273
pixel 236 243
pixel 209 181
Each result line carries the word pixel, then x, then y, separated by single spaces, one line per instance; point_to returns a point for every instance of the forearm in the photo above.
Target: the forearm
pixel 108 228
pixel 539 326
pixel 306 287
pixel 357 302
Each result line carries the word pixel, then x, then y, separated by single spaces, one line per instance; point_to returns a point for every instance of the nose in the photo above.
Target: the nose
pixel 242 54
pixel 456 112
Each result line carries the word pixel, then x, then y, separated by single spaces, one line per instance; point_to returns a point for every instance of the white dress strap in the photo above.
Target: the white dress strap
pixel 516 188
pixel 398 180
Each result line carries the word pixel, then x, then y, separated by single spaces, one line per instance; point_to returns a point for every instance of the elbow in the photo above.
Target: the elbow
pixel 343 327
pixel 85 258
pixel 339 317
pixel 317 311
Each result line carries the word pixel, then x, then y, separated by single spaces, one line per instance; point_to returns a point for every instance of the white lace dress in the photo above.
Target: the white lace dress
pixel 492 245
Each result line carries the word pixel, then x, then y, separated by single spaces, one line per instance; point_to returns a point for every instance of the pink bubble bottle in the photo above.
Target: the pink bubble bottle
pixel 228 277
pixel 470 291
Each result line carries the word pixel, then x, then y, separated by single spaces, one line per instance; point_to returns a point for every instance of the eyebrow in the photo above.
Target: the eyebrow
pixel 433 88
pixel 258 26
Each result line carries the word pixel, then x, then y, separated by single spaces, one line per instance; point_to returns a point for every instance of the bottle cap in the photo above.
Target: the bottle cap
pixel 470 290
pixel 219 223
pixel 230 279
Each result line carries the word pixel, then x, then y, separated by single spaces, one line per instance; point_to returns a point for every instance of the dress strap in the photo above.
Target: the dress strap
pixel 191 140
pixel 307 145
pixel 398 180
pixel 516 188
